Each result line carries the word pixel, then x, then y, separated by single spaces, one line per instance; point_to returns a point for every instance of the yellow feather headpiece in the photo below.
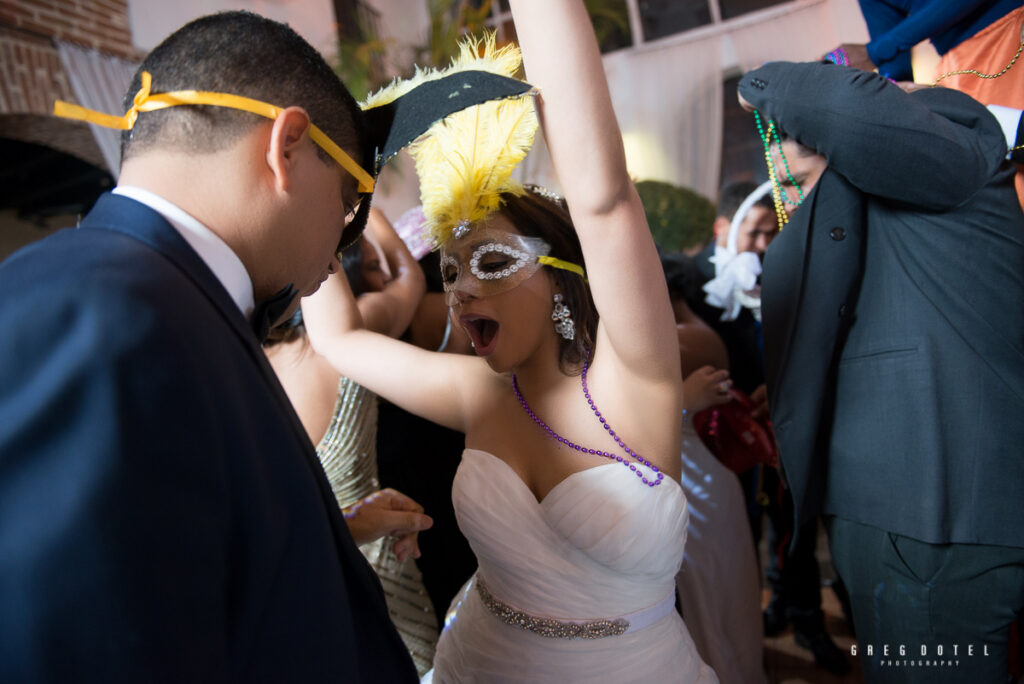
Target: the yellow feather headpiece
pixel 465 161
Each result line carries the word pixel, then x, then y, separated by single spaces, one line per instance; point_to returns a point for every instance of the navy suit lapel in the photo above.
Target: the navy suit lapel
pixel 125 215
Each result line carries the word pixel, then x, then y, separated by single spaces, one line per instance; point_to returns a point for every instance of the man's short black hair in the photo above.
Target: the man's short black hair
pixel 783 136
pixel 732 195
pixel 240 53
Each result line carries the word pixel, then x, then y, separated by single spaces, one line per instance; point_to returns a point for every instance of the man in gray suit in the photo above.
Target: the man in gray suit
pixel 894 352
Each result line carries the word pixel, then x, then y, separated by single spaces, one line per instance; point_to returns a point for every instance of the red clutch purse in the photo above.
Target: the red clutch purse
pixel 737 439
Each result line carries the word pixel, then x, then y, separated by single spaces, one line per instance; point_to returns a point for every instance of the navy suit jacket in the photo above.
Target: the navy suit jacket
pixel 163 515
pixel 893 323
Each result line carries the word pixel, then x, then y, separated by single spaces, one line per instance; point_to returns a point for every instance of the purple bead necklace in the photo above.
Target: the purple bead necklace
pixel 624 460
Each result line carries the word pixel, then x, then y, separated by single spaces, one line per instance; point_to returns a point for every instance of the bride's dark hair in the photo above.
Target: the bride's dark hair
pixel 536 215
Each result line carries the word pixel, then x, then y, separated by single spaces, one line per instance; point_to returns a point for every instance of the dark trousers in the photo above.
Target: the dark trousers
pixel 792 573
pixel 919 597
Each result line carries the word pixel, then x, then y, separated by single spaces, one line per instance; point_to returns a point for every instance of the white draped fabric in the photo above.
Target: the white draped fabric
pixel 719 583
pixel 668 100
pixel 99 81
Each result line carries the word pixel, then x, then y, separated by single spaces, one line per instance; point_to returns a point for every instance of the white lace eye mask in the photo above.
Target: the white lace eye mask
pixel 488 261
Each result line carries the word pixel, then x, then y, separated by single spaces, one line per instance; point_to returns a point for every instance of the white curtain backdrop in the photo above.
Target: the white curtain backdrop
pixel 668 100
pixel 801 34
pixel 99 81
pixel 668 94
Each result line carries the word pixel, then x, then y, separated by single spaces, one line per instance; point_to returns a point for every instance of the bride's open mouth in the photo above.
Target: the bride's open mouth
pixel 482 331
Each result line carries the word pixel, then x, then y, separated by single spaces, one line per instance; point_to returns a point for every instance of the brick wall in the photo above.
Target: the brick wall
pixel 98 24
pixel 31 74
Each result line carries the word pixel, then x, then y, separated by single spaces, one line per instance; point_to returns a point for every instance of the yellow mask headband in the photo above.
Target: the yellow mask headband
pixel 564 265
pixel 146 102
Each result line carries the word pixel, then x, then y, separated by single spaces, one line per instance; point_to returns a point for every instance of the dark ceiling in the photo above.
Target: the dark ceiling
pixel 40 182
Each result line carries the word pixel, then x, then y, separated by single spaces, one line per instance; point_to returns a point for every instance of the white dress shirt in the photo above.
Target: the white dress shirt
pixel 214 252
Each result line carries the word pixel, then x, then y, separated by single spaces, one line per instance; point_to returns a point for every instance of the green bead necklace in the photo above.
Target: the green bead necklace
pixel 777 192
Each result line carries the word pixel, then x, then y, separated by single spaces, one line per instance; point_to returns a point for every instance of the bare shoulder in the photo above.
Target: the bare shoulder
pixel 481 392
pixel 310 382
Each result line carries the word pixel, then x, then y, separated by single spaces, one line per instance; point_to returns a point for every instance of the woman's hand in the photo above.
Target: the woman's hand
pixel 857 56
pixel 388 513
pixel 759 397
pixel 391 310
pixel 704 388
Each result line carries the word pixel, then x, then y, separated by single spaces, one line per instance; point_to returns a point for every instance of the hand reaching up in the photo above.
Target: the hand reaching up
pixel 704 388
pixel 853 55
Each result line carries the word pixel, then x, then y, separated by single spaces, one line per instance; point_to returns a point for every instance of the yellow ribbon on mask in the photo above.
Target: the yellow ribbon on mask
pixel 564 265
pixel 145 101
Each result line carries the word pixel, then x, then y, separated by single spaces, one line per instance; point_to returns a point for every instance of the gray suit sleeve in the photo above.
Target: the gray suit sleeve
pixel 933 148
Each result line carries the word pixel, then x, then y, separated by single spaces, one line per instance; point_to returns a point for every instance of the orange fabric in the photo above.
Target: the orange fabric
pixel 989 51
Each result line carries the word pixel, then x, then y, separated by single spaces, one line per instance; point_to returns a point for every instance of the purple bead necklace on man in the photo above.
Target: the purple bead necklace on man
pixel 624 460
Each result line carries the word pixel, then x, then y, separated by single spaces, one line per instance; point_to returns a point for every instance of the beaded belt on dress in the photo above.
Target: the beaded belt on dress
pixel 566 629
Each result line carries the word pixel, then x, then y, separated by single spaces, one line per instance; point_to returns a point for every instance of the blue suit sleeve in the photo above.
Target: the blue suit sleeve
pixel 881 18
pixel 112 516
pixel 894 31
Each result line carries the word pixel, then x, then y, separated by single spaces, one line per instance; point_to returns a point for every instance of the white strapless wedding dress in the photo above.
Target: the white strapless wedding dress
pixel 600 546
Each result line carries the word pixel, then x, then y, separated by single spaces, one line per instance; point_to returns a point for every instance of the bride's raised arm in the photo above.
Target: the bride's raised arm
pixel 442 388
pixel 563 61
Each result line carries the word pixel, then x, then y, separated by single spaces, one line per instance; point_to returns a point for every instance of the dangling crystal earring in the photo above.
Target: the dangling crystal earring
pixel 563 319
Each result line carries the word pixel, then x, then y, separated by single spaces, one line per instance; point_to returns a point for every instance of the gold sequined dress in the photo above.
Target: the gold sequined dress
pixel 348 452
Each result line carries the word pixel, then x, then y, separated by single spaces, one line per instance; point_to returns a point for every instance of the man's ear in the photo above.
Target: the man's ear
pixel 287 137
pixel 721 230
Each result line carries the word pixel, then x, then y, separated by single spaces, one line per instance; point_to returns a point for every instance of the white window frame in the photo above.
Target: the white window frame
pixel 498 19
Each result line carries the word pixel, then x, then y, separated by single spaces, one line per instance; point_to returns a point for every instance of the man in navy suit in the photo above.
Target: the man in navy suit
pixel 894 350
pixel 163 516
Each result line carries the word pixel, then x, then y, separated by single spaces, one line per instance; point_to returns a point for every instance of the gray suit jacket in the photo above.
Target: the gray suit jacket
pixel 893 308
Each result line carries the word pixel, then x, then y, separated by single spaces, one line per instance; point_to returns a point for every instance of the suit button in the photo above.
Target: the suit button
pixel 837 234
pixel 842 311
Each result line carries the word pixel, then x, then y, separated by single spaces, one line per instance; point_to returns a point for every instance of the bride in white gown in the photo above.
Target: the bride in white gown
pixel 597 546
pixel 568 488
